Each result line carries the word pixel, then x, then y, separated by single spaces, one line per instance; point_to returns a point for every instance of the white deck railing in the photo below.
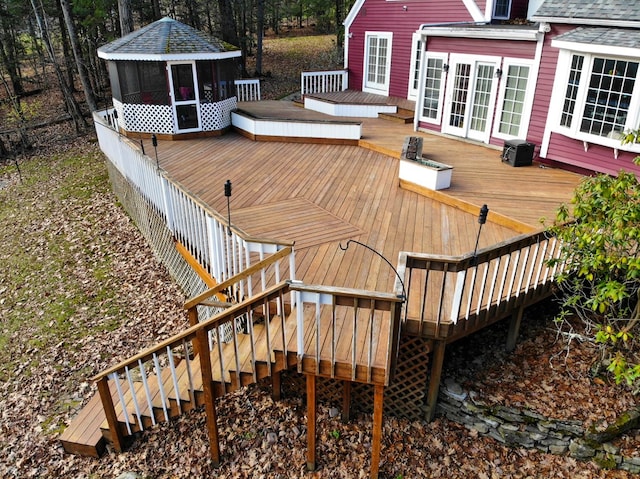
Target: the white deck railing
pixel 223 250
pixel 324 82
pixel 248 90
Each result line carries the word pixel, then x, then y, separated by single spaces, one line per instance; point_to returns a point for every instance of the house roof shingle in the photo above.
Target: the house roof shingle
pixel 166 39
pixel 613 37
pixel 589 11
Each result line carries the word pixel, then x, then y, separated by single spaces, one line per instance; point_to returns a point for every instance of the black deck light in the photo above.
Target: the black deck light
pixel 344 248
pixel 482 219
pixel 154 142
pixel 227 193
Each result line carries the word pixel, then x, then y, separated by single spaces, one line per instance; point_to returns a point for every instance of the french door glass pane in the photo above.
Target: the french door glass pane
pixel 481 97
pixel 459 96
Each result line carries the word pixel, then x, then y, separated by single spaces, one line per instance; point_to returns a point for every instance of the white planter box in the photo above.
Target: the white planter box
pixel 426 173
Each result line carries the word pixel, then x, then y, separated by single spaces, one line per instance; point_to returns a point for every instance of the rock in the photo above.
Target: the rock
pixel 334 412
pixel 580 450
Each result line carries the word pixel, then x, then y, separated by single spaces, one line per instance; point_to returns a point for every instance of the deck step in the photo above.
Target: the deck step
pixel 83 436
pixel 401 116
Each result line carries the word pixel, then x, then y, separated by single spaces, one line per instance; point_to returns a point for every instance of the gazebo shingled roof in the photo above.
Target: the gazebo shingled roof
pixel 167 39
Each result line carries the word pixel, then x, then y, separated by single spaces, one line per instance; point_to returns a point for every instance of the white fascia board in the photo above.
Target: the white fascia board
pixel 353 13
pixel 169 57
pixel 595 48
pixel 598 22
pixel 474 11
pixel 486 33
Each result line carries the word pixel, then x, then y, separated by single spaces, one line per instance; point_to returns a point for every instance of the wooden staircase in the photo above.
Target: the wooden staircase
pixel 348 335
pixel 145 405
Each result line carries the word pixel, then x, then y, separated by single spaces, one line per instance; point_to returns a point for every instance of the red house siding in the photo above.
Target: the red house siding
pixel 387 16
pixel 542 97
pixel 597 158
pixel 470 46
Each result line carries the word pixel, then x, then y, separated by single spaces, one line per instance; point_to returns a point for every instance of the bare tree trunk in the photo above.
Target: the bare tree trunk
pixel 72 105
pixel 15 103
pixel 228 22
pixel 126 20
pixel 77 54
pixel 260 28
pixel 156 9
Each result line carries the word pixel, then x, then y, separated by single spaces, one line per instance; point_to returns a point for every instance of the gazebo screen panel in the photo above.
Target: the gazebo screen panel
pixel 216 79
pixel 143 83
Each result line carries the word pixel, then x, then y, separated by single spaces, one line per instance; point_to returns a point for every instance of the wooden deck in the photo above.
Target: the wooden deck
pixel 321 194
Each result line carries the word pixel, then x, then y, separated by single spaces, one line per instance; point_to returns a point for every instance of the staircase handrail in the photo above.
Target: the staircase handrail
pixel 259 266
pixel 208 324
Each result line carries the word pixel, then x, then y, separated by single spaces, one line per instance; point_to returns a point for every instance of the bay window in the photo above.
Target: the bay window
pixel 599 97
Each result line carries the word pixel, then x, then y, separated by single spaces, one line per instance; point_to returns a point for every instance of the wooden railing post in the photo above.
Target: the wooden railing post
pixel 110 413
pixel 209 395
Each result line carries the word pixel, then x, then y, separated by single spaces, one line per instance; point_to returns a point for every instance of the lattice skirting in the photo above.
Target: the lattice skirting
pixel 404 398
pixel 153 227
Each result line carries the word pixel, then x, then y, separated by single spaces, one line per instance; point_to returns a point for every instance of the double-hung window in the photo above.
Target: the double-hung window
pixel 600 97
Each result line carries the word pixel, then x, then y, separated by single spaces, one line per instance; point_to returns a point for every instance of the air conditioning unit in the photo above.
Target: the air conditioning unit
pixel 518 152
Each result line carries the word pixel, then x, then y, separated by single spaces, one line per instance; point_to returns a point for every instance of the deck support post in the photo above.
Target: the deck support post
pixel 514 328
pixel 376 443
pixel 276 385
pixel 434 379
pixel 202 343
pixel 346 401
pixel 110 413
pixel 311 422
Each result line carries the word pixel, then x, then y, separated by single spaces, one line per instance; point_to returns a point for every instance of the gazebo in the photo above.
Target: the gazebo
pixel 169 79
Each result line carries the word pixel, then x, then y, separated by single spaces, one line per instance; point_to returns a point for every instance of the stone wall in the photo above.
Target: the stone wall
pixel 526 428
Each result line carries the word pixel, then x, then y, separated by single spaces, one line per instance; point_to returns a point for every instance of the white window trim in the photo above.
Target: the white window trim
pixel 557 101
pixel 365 88
pixel 416 42
pixel 443 85
pixel 528 99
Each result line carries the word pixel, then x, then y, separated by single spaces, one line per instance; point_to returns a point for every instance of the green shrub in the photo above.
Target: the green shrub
pixel 600 283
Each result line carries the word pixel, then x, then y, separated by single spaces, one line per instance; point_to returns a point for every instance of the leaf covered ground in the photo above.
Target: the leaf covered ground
pixel 80 289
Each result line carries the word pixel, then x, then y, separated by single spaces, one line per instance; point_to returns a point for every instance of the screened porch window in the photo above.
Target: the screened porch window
pixel 143 82
pixel 597 100
pixel 216 79
pixel 513 105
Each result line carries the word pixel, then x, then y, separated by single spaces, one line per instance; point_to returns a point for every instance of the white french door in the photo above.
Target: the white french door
pixel 377 63
pixel 470 102
pixel 186 104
